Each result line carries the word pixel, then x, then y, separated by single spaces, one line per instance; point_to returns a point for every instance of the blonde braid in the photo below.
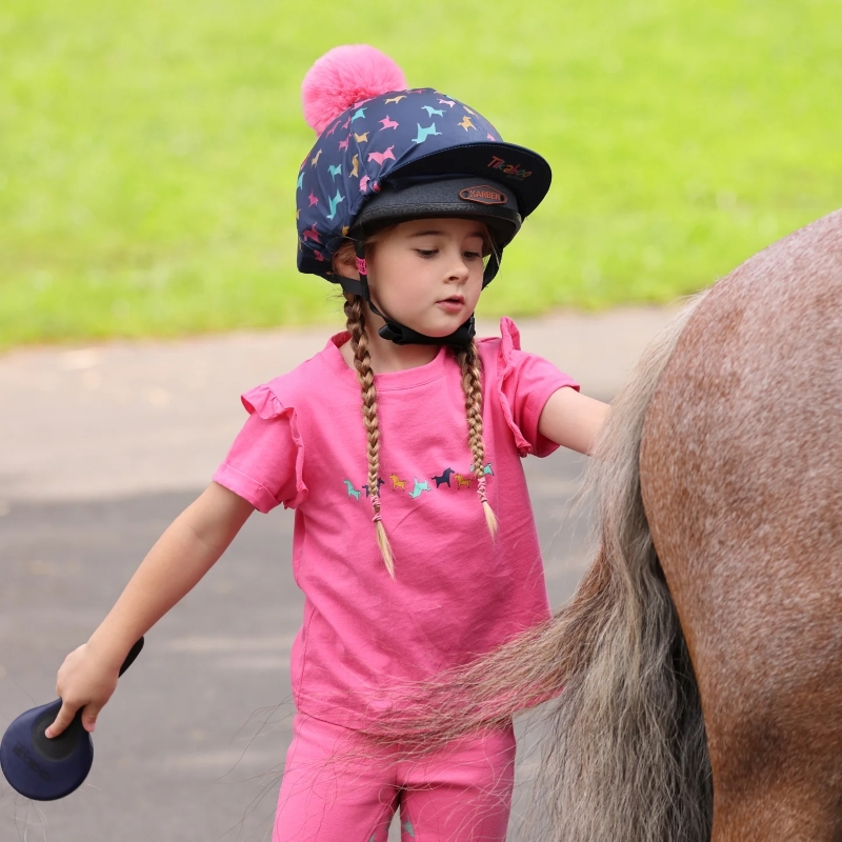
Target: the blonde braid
pixel 472 387
pixel 362 361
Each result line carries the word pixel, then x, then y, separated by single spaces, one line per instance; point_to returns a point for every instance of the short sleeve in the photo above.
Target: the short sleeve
pixel 524 385
pixel 266 461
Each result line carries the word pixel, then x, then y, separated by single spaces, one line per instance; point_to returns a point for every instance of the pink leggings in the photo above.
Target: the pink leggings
pixel 338 790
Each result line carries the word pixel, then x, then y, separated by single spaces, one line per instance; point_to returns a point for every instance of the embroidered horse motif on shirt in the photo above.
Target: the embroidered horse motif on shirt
pixel 352 492
pixel 398 484
pixel 419 487
pixel 444 478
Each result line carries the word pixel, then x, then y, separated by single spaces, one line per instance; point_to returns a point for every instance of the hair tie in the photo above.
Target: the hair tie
pixel 481 489
pixel 375 501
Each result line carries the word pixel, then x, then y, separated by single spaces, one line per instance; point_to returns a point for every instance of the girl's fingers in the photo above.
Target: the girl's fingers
pixel 64 718
pixel 89 717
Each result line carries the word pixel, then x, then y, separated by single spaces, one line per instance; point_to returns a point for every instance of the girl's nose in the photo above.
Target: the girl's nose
pixel 459 269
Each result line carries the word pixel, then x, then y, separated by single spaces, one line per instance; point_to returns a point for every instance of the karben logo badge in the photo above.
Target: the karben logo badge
pixel 484 194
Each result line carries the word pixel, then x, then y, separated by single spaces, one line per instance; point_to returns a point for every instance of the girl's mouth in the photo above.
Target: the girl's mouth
pixel 453 304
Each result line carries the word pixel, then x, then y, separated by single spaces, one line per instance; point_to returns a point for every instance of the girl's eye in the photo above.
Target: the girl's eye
pixel 473 255
pixel 426 252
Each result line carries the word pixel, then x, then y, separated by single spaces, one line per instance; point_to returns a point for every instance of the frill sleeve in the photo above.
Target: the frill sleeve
pixel 524 385
pixel 265 464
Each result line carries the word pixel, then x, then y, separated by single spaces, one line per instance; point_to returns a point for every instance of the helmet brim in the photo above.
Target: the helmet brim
pixel 401 200
pixel 517 170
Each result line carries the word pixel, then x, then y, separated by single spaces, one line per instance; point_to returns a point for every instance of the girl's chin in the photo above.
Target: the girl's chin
pixel 440 331
pixel 441 325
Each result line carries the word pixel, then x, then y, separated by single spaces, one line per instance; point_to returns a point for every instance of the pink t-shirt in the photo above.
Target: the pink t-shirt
pixel 457 593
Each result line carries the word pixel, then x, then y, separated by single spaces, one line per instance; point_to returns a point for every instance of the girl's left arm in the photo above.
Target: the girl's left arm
pixel 572 420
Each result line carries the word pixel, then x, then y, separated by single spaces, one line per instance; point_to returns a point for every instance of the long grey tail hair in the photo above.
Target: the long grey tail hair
pixel 625 756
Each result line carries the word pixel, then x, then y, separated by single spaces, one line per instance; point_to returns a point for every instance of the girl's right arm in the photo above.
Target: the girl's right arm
pixel 182 555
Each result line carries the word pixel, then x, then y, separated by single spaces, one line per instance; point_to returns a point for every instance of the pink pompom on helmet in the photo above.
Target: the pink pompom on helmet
pixel 343 78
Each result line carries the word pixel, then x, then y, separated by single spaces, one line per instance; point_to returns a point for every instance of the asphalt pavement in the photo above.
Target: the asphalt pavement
pixel 101 446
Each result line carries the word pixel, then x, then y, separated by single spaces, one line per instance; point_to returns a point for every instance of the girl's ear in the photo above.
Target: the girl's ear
pixel 345 264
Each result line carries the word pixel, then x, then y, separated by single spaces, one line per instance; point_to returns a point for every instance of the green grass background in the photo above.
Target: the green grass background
pixel 149 151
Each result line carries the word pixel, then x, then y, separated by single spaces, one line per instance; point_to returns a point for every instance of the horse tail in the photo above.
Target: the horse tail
pixel 627 756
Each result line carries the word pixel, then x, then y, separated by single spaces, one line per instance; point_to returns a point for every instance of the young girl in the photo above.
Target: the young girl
pixel 399 448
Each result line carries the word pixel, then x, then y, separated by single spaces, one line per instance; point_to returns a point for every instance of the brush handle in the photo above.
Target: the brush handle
pixel 133 653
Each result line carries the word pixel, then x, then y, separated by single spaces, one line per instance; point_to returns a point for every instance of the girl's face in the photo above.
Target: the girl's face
pixel 427 273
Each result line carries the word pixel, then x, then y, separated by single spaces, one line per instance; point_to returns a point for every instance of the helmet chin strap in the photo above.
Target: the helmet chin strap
pixel 396 332
pixel 403 335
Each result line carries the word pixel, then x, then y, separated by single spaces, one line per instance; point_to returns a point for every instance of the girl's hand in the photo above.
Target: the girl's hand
pixel 84 680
